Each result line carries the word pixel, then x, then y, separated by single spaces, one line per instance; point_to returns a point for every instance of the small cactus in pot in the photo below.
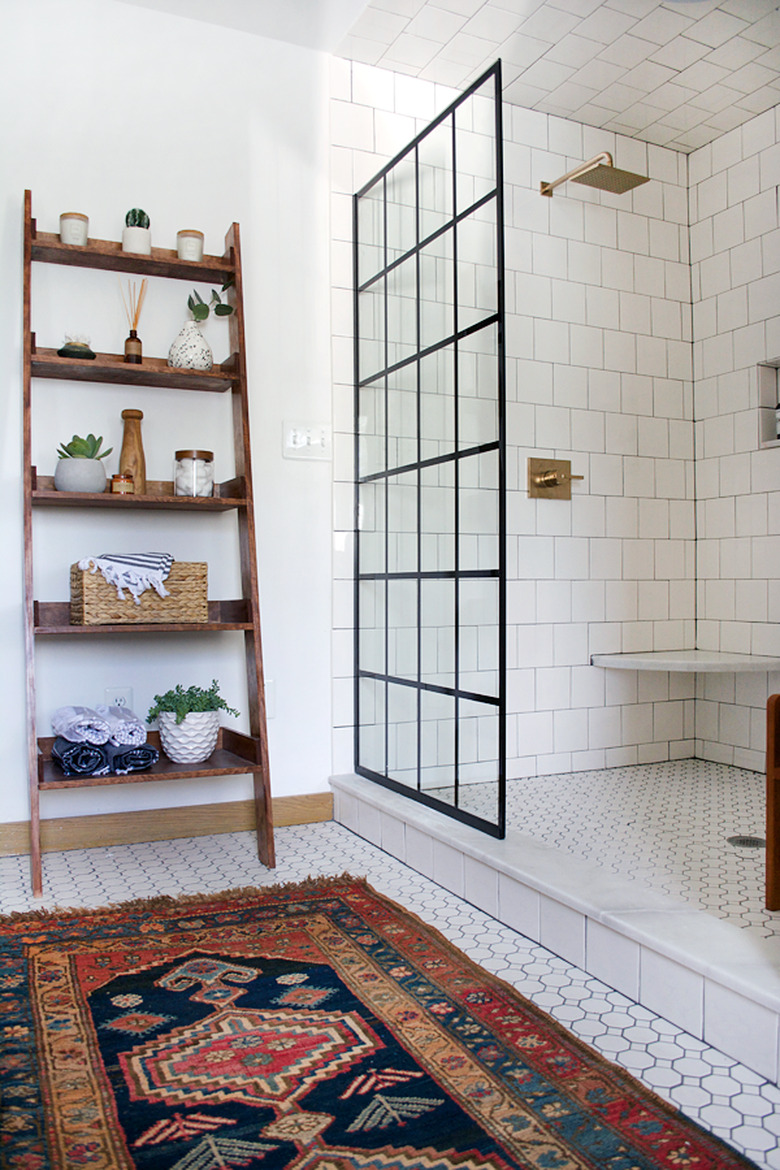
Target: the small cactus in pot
pixel 136 235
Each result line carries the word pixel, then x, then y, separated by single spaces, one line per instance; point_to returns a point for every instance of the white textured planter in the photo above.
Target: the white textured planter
pixel 191 741
pixel 137 239
pixel 190 350
pixel 80 475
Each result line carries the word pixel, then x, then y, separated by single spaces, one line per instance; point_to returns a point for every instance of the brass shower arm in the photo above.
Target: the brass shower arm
pixel 604 158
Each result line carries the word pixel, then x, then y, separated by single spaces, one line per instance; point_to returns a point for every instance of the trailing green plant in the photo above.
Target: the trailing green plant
pixel 137 217
pixel 200 309
pixel 180 702
pixel 79 448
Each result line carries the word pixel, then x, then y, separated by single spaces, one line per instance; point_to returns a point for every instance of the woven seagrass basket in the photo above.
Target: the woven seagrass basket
pixel 93 602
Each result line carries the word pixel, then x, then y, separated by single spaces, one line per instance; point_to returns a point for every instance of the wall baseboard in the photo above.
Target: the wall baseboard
pixel 162 824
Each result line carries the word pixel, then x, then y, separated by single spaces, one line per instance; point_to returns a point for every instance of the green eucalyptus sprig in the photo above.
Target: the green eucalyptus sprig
pixel 180 702
pixel 79 448
pixel 200 309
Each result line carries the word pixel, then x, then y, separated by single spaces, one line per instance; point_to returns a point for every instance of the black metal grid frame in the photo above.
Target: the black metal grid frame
pixel 495 321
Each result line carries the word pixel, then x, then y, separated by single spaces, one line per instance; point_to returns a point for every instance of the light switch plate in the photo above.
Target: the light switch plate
pixel 307 441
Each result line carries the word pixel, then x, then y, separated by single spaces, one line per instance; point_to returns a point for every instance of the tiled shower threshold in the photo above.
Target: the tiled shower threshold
pixel 626 873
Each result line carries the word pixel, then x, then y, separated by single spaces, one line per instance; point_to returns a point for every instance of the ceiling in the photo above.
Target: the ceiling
pixel 678 73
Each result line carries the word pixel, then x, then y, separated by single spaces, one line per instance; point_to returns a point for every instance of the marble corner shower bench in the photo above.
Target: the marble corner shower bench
pixel 719 982
pixel 687 661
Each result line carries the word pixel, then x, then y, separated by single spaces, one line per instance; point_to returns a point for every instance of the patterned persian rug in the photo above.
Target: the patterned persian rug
pixel 317 1026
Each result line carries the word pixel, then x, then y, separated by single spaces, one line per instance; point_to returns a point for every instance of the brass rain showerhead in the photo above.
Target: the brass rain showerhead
pixel 599 172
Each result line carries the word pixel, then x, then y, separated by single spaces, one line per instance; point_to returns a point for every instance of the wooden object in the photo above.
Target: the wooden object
pixel 773 802
pixel 131 459
pixel 236 753
pixel 93 602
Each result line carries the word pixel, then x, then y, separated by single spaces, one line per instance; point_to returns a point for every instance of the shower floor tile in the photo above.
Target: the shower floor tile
pixel 666 824
pixel 713 1089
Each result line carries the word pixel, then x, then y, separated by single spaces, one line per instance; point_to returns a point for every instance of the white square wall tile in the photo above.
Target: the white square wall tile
pixel 481 885
pixel 393 836
pixel 448 867
pixel 562 930
pixel 674 991
pixel 613 958
pixel 745 1029
pixel 369 823
pixel 518 906
pixel 419 850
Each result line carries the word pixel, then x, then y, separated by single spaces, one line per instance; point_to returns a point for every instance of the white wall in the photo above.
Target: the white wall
pixel 109 106
pixel 735 254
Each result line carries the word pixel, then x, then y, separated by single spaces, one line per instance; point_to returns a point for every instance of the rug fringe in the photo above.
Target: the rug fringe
pixel 158 902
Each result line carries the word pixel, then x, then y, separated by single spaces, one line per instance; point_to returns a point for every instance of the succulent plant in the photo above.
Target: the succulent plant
pixel 137 217
pixel 200 309
pixel 79 448
pixel 180 702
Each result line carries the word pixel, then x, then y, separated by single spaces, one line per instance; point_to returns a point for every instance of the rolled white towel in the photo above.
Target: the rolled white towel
pixel 80 725
pixel 125 727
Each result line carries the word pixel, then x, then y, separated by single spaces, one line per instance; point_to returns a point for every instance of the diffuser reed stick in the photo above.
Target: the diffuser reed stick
pixel 133 305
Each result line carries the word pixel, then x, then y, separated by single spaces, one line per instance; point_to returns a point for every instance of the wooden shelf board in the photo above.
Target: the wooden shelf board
pixel 46 246
pixel 159 496
pixel 112 368
pixel 53 618
pixel 235 754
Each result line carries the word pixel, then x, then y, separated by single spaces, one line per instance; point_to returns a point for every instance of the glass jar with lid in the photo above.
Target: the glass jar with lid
pixel 193 473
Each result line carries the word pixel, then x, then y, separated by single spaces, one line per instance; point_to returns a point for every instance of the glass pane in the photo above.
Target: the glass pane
pixel 402 629
pixel 477 289
pixel 371 639
pixel 402 417
pixel 437 518
pixel 437 746
pixel 478 763
pixel 478 389
pixel 436 290
pixel 401 209
pixel 478 645
pixel 371 232
pixel 475 146
pixel 371 739
pixel 402 523
pixel 437 404
pixel 371 326
pixel 402 734
pixel 435 169
pixel 371 429
pixel 371 532
pixel 437 633
pixel 479 511
pixel 402 312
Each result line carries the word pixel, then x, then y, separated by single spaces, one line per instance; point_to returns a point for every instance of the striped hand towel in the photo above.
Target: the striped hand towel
pixel 135 572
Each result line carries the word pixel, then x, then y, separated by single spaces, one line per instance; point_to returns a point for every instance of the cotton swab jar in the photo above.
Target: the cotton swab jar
pixel 193 473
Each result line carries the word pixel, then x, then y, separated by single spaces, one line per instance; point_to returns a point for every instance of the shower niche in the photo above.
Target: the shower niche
pixel 430 570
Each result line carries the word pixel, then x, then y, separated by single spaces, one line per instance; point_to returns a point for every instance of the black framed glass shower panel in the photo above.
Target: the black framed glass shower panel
pixel 430 568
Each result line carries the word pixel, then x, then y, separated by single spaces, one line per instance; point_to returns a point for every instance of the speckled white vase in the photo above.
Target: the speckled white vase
pixel 190 350
pixel 193 740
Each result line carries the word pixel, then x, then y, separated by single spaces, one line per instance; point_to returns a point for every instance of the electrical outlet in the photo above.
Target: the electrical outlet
pixel 119 697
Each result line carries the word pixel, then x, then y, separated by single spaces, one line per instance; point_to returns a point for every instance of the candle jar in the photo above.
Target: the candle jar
pixel 122 484
pixel 189 244
pixel 74 228
pixel 193 473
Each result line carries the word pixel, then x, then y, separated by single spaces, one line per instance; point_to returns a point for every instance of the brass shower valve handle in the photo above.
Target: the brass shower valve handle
pixel 550 479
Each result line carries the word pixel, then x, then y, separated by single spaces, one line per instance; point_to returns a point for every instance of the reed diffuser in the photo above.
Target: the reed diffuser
pixel 133 304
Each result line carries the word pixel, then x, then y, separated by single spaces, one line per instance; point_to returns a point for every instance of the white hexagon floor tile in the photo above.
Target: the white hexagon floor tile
pixel 706 1085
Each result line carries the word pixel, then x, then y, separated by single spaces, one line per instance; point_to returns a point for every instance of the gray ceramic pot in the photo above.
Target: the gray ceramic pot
pixel 80 475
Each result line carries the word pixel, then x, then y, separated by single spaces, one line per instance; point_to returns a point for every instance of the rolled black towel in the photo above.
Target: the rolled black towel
pixel 80 759
pixel 130 758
